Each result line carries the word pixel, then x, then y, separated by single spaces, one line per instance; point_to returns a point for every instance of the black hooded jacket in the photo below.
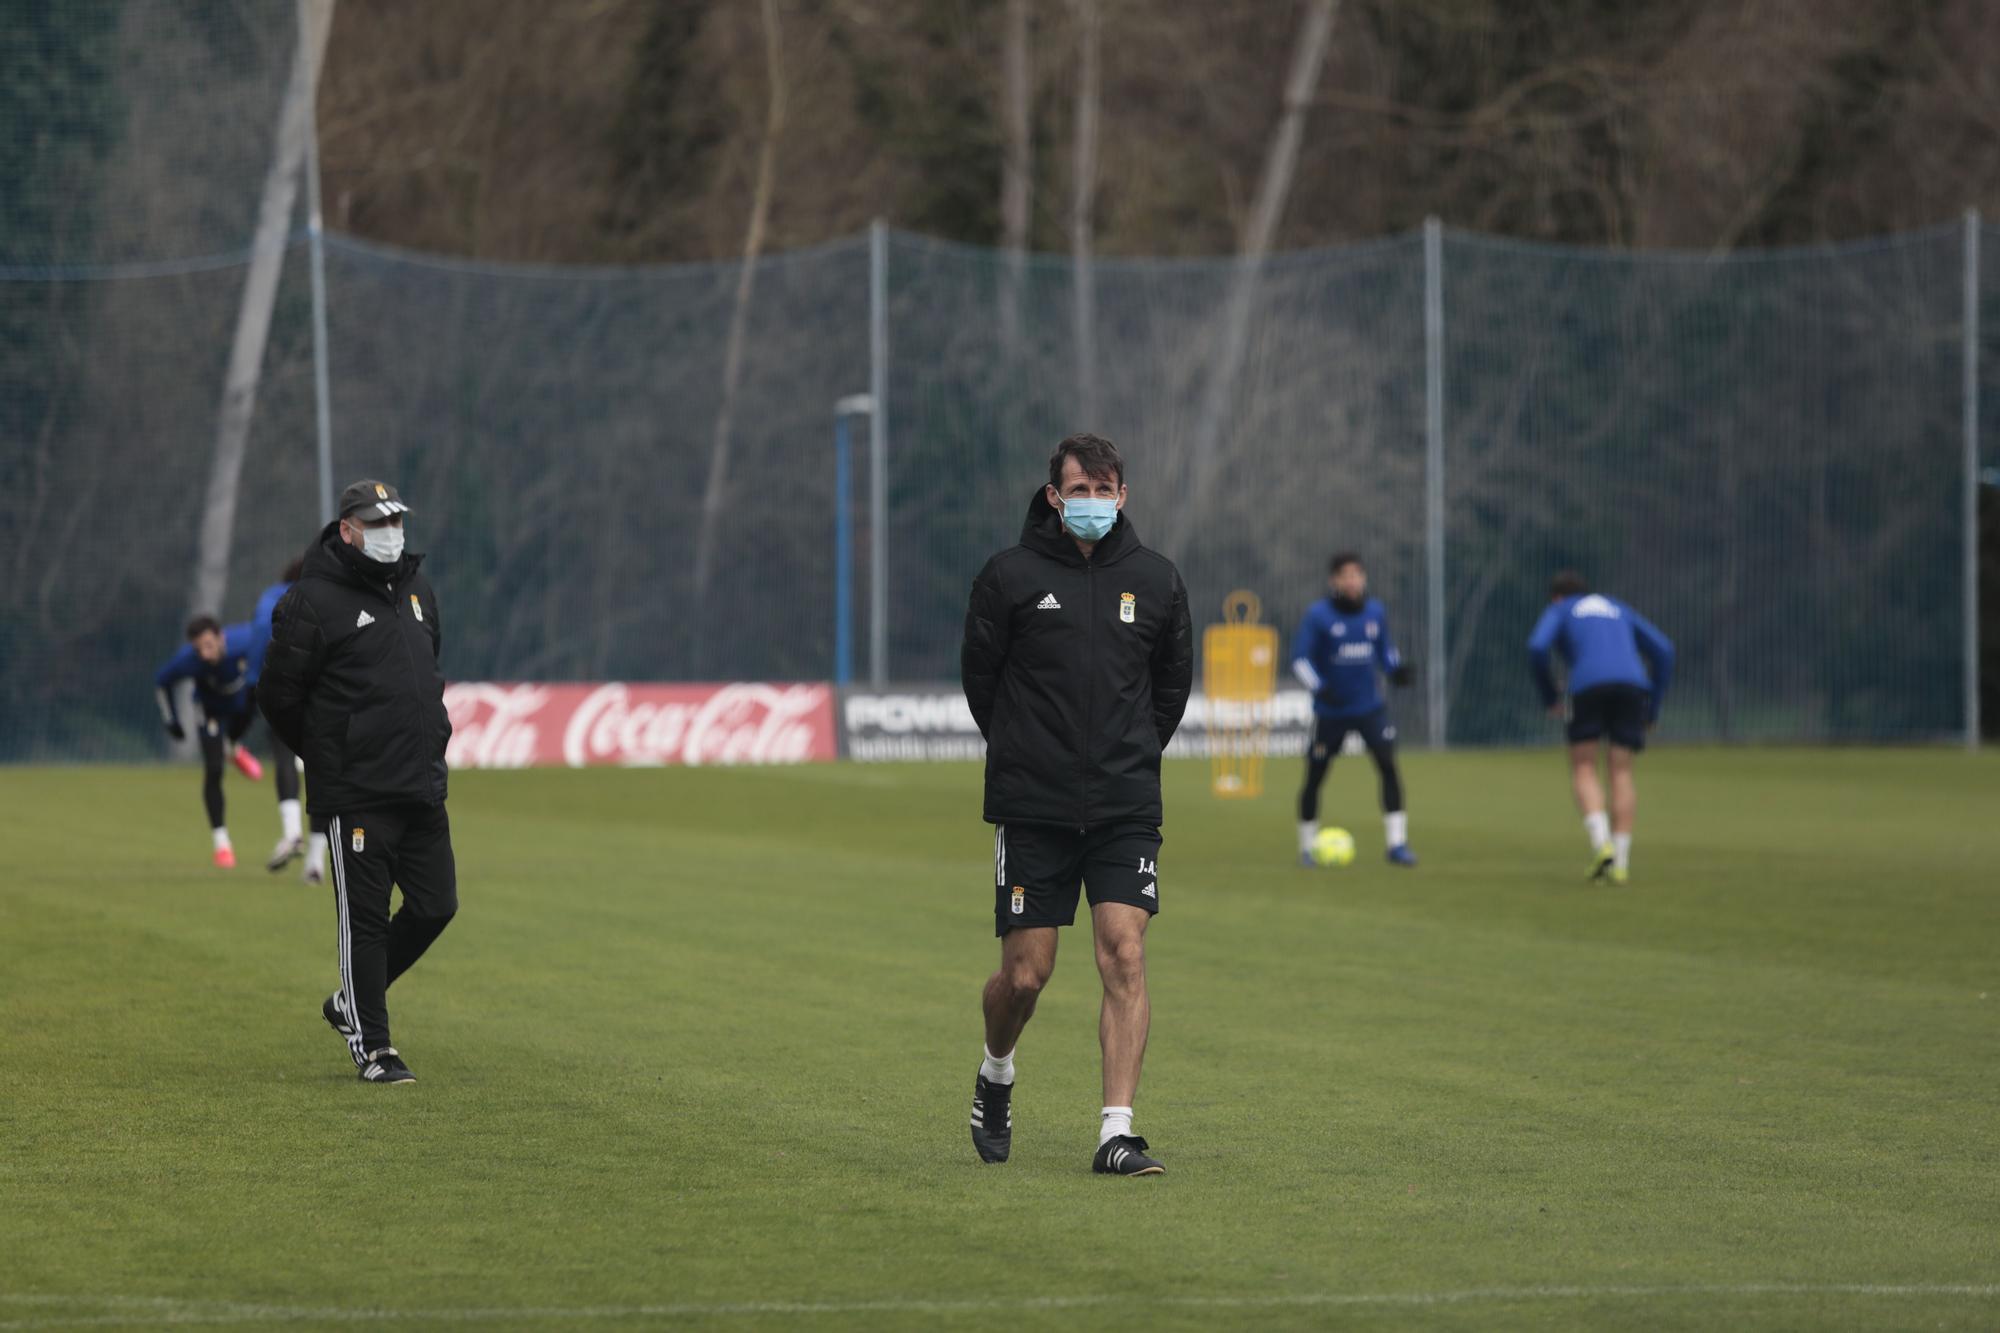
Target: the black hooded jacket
pixel 1077 672
pixel 351 680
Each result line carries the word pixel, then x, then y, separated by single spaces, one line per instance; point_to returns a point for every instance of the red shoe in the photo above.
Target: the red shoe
pixel 225 858
pixel 247 762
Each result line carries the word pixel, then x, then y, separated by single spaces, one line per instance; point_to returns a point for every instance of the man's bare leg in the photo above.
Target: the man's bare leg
pixel 1119 931
pixel 1027 957
pixel 1624 807
pixel 1589 793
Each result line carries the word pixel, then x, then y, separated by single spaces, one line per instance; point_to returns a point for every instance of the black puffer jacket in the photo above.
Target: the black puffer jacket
pixel 351 681
pixel 1077 672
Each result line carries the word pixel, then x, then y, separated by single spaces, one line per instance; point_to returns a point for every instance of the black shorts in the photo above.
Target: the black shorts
pixel 1039 869
pixel 1618 711
pixel 1377 732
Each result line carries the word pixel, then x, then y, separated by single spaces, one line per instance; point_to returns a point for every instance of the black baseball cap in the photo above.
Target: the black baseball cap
pixel 370 500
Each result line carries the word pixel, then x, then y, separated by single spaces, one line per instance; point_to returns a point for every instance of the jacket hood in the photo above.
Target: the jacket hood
pixel 332 558
pixel 1042 531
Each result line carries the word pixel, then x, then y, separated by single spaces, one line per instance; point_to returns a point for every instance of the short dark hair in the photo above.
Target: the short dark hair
pixel 1568 583
pixel 1097 456
pixel 201 625
pixel 293 570
pixel 1341 560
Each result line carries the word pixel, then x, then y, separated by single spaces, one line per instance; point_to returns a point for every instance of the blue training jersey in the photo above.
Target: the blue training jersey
pixel 222 688
pixel 1340 655
pixel 260 626
pixel 1603 642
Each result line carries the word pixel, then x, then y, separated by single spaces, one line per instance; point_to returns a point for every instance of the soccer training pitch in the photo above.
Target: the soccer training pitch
pixel 699 1049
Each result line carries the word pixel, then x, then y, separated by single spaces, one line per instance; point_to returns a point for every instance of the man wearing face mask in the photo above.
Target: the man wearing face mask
pixel 351 683
pixel 1077 661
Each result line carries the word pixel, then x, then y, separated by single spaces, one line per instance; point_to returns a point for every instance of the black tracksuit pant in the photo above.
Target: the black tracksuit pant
pixel 408 846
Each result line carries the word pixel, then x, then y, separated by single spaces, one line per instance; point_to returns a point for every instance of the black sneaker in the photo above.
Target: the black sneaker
pixel 385 1066
pixel 992 1119
pixel 1125 1156
pixel 337 1019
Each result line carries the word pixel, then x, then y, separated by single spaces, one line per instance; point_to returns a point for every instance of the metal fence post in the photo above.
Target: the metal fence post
pixel 878 453
pixel 1970 407
pixel 843 534
pixel 843 555
pixel 1436 665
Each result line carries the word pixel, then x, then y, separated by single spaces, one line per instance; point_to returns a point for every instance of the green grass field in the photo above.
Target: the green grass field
pixel 698 1052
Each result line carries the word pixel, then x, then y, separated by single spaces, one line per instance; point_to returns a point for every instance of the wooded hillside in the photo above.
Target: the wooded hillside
pixel 636 130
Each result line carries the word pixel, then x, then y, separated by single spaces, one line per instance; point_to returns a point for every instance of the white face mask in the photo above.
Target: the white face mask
pixel 382 545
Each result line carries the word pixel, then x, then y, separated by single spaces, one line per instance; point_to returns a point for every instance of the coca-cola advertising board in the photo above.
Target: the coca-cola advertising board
pixel 638 725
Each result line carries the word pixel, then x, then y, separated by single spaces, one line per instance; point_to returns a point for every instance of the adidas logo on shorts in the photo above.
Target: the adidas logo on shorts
pixel 363 619
pixel 1048 603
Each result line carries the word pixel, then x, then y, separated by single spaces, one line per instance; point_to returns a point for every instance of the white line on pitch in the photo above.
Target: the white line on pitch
pixel 141 1309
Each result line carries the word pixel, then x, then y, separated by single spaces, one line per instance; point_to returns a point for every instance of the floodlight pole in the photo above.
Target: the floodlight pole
pixel 878 453
pixel 855 404
pixel 1970 537
pixel 1436 667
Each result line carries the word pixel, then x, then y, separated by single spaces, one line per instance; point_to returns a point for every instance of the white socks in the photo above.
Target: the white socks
pixel 1308 832
pixel 1621 851
pixel 1597 827
pixel 288 816
pixel 221 839
pixel 316 855
pixel 1116 1120
pixel 997 1068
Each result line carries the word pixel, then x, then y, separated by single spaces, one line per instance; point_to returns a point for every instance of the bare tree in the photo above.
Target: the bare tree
pixel 253 325
pixel 1016 172
pixel 1274 187
pixel 714 494
pixel 1083 198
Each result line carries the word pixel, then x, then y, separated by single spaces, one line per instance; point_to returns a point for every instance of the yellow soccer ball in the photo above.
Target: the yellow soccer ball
pixel 1334 847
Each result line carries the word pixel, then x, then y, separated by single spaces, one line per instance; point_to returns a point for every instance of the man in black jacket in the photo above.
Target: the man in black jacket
pixel 1077 662
pixel 351 683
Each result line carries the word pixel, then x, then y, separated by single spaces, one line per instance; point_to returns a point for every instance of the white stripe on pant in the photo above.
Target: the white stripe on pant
pixel 999 856
pixel 346 936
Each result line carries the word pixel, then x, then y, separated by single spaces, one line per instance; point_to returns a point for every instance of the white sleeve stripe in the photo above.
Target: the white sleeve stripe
pixel 1307 676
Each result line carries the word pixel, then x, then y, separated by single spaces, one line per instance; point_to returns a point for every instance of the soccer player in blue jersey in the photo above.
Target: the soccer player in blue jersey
pixel 1341 649
pixel 1619 668
pixel 222 664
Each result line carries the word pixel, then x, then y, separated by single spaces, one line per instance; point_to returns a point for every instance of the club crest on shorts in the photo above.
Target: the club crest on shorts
pixel 1020 900
pixel 1128 607
pixel 360 839
pixel 417 607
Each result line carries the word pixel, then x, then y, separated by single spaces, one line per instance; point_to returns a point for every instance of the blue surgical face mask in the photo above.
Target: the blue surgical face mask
pixel 1089 520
